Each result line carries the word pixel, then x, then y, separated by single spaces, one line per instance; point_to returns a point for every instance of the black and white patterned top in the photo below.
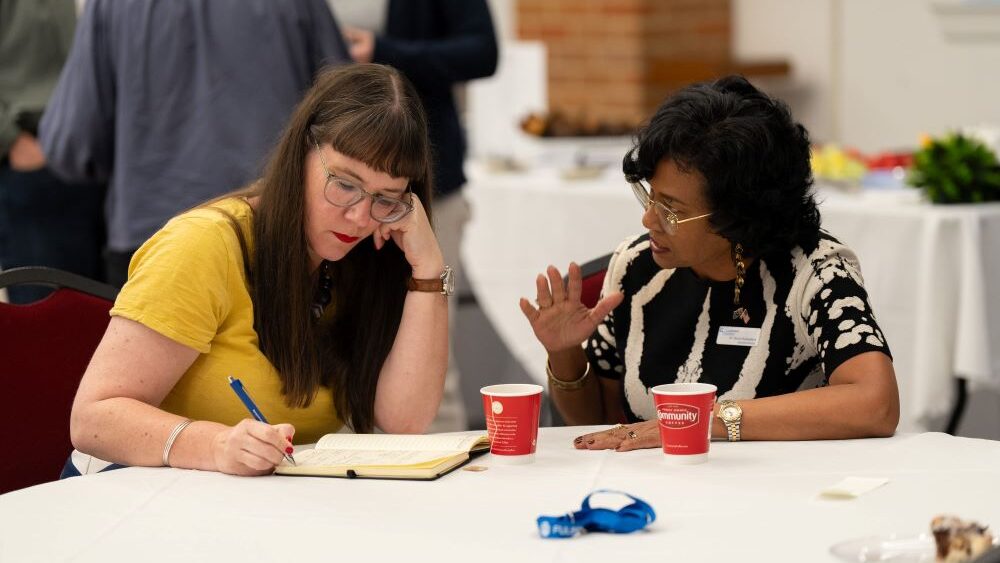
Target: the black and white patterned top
pixel 810 305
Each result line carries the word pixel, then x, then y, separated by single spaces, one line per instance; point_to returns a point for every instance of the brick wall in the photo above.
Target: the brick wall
pixel 613 61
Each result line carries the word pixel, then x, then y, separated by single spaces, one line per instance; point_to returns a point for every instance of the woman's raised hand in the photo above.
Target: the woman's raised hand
pixel 561 320
pixel 415 237
pixel 251 447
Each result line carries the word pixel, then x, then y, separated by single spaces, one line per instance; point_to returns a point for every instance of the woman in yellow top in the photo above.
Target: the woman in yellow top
pixel 300 286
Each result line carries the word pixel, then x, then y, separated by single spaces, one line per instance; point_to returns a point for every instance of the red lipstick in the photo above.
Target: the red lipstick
pixel 344 238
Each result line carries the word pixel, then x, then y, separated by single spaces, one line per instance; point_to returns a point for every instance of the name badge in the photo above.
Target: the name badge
pixel 738 336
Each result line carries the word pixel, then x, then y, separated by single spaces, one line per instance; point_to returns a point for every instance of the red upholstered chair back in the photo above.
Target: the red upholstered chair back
pixel 45 347
pixel 593 279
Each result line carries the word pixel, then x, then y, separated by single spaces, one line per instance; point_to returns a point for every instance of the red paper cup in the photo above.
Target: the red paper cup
pixel 512 420
pixel 684 411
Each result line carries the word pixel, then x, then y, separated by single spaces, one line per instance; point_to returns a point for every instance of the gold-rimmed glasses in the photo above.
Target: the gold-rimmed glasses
pixel 668 217
pixel 341 192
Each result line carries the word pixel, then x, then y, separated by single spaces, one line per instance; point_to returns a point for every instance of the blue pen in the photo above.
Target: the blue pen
pixel 254 411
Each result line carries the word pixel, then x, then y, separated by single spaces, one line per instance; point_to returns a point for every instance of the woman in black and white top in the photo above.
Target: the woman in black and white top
pixel 734 284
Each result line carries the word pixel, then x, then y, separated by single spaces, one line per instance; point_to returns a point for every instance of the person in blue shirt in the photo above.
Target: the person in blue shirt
pixel 177 102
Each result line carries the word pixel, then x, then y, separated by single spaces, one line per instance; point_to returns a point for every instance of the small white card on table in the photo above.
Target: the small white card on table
pixel 852 487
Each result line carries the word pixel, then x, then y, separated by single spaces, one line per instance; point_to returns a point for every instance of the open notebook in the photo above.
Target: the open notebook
pixel 386 456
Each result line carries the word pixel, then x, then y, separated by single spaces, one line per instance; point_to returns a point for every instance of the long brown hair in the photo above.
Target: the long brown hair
pixel 370 113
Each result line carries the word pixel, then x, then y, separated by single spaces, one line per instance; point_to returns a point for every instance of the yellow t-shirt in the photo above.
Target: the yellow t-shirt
pixel 187 283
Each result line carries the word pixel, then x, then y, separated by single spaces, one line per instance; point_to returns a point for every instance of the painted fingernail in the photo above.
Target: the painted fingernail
pixel 590 442
pixel 578 440
pixel 289 438
pixel 289 450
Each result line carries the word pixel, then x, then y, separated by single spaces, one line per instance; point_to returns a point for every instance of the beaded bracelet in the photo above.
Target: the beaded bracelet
pixel 572 385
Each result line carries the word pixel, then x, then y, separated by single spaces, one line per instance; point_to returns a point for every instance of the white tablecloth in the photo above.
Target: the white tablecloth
pixel 750 502
pixel 932 272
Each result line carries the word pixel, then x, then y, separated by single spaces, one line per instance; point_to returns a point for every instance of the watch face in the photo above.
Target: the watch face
pixel 730 412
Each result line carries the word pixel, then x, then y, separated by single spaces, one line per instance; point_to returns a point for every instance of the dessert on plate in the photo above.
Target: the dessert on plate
pixel 959 540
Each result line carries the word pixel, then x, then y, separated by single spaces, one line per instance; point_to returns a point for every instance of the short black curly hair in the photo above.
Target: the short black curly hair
pixel 752 154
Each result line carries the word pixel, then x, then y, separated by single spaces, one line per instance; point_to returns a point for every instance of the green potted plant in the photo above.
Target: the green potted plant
pixel 956 169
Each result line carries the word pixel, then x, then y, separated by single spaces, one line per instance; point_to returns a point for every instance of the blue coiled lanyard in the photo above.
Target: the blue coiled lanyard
pixel 626 520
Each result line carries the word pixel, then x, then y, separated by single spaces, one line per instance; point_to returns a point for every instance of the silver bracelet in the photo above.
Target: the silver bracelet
pixel 171 438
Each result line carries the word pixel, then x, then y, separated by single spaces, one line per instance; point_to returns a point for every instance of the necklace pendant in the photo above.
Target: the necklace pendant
pixel 742 314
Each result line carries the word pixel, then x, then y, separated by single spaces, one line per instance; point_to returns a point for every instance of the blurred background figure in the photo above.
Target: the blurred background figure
pixel 436 44
pixel 177 102
pixel 43 221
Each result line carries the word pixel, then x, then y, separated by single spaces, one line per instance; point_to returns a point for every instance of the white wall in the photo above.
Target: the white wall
pixel 875 74
pixel 904 76
pixel 799 31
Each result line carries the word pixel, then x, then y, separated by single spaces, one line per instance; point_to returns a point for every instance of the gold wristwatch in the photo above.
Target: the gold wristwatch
pixel 443 284
pixel 731 414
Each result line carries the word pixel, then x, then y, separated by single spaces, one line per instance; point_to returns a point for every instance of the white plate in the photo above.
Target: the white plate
pixel 891 547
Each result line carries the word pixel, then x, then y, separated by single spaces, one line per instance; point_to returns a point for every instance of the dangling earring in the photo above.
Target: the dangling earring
pixel 739 311
pixel 323 287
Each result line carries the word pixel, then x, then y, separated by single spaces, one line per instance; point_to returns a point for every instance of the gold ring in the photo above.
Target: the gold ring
pixel 632 435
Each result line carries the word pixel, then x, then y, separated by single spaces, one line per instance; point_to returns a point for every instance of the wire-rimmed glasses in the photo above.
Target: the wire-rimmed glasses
pixel 668 217
pixel 341 192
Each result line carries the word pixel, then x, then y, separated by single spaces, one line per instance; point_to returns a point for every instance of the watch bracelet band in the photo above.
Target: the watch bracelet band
pixel 435 285
pixel 443 284
pixel 571 385
pixel 733 431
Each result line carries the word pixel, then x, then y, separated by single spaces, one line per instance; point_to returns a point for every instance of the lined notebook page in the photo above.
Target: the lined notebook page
pixel 357 458
pixel 396 442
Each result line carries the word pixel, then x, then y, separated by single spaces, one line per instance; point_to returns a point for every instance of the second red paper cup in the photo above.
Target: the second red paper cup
pixel 684 411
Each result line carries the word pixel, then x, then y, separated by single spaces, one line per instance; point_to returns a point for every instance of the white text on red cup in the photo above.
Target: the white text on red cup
pixel 676 416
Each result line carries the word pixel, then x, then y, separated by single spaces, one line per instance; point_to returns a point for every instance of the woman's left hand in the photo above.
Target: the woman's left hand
pixel 621 437
pixel 414 236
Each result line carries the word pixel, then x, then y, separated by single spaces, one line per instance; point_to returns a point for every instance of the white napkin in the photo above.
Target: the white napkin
pixel 852 487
